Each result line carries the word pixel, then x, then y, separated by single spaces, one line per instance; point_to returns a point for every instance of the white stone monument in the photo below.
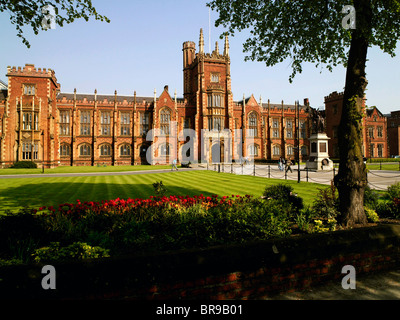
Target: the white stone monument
pixel 319 157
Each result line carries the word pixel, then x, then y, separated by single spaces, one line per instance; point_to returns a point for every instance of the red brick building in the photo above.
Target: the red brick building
pixel 40 123
pixel 375 132
pixel 394 133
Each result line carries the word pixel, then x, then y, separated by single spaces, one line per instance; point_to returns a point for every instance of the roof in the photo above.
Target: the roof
pixel 3 90
pixel 102 97
pixel 110 98
pixel 370 111
pixel 3 85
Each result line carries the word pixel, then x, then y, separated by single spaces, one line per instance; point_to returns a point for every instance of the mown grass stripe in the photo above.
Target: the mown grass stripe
pixel 36 192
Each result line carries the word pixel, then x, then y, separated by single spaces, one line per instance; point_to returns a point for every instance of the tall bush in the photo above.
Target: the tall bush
pixel 283 194
pixel 326 203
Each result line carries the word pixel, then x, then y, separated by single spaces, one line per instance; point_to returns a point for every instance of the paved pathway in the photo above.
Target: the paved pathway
pixel 377 179
pixel 80 174
pixel 378 286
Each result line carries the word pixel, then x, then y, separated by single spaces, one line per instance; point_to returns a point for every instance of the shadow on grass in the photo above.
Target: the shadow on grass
pixel 53 194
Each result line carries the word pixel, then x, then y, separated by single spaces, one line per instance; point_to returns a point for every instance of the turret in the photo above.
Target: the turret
pixel 189 53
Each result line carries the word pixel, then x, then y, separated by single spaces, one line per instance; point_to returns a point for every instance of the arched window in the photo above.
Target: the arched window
pixel 125 150
pixel 276 150
pixel 252 125
pixel 165 119
pixel 105 150
pixel 85 150
pixel 164 149
pixel 65 150
pixel 290 151
pixel 252 150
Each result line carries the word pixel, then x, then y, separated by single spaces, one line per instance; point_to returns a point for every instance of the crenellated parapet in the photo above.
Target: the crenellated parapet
pixel 29 70
pixel 334 95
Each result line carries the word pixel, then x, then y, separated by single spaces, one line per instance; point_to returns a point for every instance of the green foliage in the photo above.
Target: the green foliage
pixel 286 29
pixel 321 226
pixel 371 214
pixel 29 12
pixel 159 189
pixel 24 165
pixel 304 219
pixel 311 31
pixel 389 207
pixel 284 195
pixel 370 198
pixel 326 203
pixel 393 191
pixel 149 225
pixel 75 251
pixel 20 233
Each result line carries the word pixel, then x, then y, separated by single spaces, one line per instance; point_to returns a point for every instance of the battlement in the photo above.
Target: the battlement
pixel 29 70
pixel 189 44
pixel 334 95
pixel 215 56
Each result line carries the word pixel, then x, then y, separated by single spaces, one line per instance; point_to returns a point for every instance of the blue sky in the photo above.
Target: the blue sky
pixel 141 50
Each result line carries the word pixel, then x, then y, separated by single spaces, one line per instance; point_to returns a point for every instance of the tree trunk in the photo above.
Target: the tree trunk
pixel 352 177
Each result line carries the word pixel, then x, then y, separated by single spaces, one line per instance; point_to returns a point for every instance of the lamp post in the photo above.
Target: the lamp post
pixel 219 146
pixel 298 142
pixel 42 134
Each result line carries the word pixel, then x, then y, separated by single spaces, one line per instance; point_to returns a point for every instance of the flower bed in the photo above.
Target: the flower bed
pixel 130 226
pixel 119 226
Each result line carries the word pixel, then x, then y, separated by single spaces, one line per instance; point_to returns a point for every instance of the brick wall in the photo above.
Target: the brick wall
pixel 249 271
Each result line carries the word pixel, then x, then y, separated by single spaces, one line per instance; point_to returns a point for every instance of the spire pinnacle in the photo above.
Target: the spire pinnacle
pixel 201 41
pixel 226 48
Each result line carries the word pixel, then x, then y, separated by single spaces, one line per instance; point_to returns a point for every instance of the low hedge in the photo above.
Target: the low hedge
pixel 24 165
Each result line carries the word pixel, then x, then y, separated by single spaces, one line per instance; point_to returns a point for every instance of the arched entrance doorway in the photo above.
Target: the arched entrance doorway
pixel 142 154
pixel 217 153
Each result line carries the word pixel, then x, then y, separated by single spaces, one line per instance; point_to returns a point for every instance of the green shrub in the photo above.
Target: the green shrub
pixel 20 233
pixel 386 209
pixel 304 219
pixel 24 164
pixel 370 198
pixel 159 189
pixel 389 206
pixel 324 226
pixel 326 203
pixel 75 251
pixel 393 191
pixel 371 214
pixel 284 194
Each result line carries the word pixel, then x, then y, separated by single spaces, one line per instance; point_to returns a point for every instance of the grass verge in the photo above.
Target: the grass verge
pixel 82 169
pixel 50 191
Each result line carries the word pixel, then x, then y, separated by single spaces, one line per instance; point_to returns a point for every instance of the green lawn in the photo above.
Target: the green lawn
pixel 383 166
pixel 45 191
pixel 83 169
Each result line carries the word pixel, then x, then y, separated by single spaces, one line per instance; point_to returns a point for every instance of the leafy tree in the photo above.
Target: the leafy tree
pixel 316 31
pixel 29 13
